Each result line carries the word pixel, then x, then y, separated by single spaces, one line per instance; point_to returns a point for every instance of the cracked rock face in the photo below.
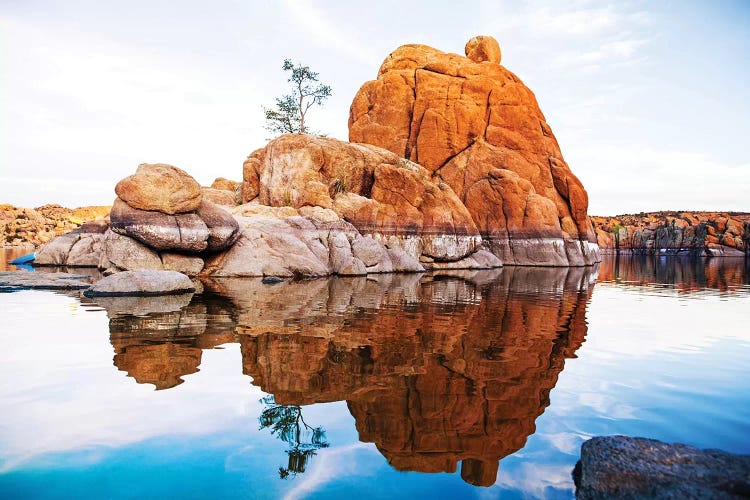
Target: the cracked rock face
pixel 381 194
pixel 474 126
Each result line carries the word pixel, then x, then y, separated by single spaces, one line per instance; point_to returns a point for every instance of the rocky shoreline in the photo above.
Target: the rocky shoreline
pixel 700 234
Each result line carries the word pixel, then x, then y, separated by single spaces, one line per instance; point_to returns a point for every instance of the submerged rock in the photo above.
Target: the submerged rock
pixel 142 282
pixel 627 467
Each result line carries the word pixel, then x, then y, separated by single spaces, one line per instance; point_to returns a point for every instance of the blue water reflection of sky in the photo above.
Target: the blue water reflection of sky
pixel 665 366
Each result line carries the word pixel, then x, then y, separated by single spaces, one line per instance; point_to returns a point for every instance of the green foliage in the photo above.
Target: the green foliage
pixel 288 116
pixel 287 198
pixel 287 424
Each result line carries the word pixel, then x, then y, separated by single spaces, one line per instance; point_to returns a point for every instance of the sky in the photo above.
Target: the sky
pixel 649 101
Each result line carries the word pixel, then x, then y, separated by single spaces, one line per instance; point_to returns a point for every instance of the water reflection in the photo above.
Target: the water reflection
pixel 435 370
pixel 685 275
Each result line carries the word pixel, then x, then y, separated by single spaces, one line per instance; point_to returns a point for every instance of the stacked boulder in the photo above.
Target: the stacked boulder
pixel 161 220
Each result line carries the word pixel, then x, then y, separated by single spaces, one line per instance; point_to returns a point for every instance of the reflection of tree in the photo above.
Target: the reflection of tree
pixel 286 423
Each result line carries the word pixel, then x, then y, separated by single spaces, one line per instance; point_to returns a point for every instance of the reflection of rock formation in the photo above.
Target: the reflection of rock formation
pixel 684 274
pixel 166 340
pixel 435 371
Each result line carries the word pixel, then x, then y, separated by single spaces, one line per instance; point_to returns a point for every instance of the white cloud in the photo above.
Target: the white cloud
pixel 67 396
pixel 631 178
pixel 328 34
pixel 330 465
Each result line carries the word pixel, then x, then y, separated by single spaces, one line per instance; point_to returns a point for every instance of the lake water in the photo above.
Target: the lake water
pixel 462 385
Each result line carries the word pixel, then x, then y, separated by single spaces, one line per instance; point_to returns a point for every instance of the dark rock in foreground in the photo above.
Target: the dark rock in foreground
pixel 143 282
pixel 626 467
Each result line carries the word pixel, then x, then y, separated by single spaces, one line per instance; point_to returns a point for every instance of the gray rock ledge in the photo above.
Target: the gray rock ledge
pixel 27 280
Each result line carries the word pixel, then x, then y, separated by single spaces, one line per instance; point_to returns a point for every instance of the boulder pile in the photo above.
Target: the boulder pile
pixel 451 166
pixel 160 220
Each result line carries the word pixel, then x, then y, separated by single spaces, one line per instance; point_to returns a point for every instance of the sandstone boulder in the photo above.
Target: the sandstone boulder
pixel 219 196
pixel 162 188
pixel 225 184
pixel 381 194
pixel 483 48
pixel 143 282
pixel 477 128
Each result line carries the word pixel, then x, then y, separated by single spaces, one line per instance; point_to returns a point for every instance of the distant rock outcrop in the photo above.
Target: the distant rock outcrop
pixel 476 127
pixel 36 226
pixel 694 233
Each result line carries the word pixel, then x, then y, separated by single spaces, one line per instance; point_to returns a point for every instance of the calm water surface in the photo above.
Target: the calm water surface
pixel 471 385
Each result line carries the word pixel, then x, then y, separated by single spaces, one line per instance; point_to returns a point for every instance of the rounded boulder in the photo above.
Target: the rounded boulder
pixel 161 188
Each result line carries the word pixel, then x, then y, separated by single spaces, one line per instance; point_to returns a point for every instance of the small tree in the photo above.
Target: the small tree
pixel 288 117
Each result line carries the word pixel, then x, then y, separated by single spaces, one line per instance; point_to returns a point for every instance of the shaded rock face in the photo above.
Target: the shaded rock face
pixel 626 467
pixel 209 228
pixel 79 248
pixel 475 126
pixel 381 194
pixel 717 234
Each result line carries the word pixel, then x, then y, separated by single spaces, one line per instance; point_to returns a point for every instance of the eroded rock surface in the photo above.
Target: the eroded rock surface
pixel 475 126
pixel 628 467
pixel 283 241
pixel 381 194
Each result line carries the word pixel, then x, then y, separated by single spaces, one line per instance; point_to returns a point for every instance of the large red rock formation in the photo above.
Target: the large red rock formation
pixel 474 125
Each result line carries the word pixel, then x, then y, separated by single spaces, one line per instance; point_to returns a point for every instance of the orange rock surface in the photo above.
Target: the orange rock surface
pixel 474 125
pixel 377 191
pixel 160 187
